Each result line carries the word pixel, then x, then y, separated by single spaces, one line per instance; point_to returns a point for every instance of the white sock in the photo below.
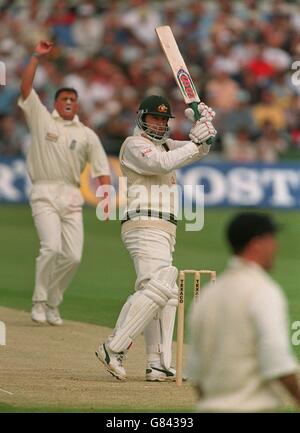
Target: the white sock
pixel 154 360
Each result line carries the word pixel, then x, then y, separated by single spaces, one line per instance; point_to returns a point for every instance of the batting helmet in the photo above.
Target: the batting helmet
pixel 156 105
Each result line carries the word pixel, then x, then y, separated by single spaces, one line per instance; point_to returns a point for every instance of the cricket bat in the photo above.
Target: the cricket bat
pixel 179 69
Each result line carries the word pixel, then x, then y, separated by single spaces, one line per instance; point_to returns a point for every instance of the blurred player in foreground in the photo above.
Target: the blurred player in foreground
pixel 60 148
pixel 148 159
pixel 240 350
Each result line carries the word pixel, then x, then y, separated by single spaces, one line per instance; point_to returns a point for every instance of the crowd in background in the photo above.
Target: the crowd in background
pixel 240 54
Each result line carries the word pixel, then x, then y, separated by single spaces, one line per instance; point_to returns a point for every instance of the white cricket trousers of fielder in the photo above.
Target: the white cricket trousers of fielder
pixel 151 250
pixel 57 213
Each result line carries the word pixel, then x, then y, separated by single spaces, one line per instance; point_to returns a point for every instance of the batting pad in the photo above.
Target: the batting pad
pixel 143 306
pixel 141 311
pixel 168 276
pixel 159 332
pixel 167 319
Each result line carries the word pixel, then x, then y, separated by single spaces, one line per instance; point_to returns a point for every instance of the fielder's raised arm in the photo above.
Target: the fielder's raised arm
pixel 42 49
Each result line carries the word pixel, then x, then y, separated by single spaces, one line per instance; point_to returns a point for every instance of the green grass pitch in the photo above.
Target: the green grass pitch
pixel 106 276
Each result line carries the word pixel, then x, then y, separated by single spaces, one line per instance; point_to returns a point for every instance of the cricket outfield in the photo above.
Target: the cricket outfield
pixel 45 368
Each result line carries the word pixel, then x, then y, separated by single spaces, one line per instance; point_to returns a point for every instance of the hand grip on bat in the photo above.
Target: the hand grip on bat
pixel 197 116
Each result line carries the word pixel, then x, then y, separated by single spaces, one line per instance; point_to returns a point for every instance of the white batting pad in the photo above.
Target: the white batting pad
pixel 168 276
pixel 141 311
pixel 167 319
pixel 123 313
pixel 159 333
pixel 161 287
pixel 143 306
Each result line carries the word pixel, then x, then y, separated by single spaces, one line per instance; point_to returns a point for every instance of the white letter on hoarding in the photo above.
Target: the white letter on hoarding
pixel 280 180
pixel 244 187
pixel 217 183
pixel 7 189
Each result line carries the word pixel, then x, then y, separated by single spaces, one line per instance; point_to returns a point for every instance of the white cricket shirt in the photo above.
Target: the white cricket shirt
pixel 150 171
pixel 60 148
pixel 240 340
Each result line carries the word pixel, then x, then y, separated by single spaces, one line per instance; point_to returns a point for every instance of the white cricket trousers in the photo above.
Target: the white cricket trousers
pixel 57 213
pixel 151 250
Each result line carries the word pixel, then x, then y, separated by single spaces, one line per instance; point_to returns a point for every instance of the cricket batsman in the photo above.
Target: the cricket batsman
pixel 60 148
pixel 149 158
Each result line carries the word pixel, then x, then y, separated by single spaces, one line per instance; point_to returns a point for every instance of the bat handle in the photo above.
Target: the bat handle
pixel 197 116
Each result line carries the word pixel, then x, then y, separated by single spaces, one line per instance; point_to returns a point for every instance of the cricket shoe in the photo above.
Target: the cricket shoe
pixel 53 316
pixel 38 312
pixel 156 374
pixel 113 361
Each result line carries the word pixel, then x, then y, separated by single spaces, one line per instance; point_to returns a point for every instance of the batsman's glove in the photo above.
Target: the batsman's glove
pixel 206 113
pixel 202 131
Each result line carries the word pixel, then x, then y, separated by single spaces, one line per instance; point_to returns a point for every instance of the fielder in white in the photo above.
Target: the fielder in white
pixel 149 158
pixel 240 350
pixel 60 148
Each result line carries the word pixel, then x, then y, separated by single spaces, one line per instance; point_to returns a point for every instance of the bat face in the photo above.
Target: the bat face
pixel 187 86
pixel 177 64
pixel 179 69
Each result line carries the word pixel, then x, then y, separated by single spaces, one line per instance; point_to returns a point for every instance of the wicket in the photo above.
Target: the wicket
pixel 180 314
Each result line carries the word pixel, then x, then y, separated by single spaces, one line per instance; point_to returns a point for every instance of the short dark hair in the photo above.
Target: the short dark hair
pixel 247 225
pixel 65 89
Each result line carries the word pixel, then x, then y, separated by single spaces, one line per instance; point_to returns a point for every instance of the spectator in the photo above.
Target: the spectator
pixel 239 147
pixel 222 91
pixel 12 137
pixel 88 29
pixel 270 145
pixel 61 22
pixel 292 114
pixel 281 90
pixel 268 110
pixel 102 47
pixel 239 118
pixel 8 99
pixel 260 67
pixel 141 18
